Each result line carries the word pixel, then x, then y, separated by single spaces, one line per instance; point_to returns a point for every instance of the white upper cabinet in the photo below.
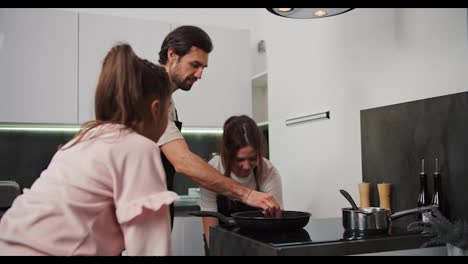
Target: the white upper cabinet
pixel 225 87
pixel 97 35
pixel 50 61
pixel 38 66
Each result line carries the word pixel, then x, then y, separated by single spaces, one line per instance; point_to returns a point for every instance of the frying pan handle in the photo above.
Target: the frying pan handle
pixel 418 210
pixel 224 219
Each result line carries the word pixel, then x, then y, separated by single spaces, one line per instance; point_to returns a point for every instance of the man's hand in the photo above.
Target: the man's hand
pixel 264 201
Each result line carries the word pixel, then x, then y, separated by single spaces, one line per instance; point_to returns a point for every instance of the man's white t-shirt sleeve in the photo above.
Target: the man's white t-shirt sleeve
pixel 172 132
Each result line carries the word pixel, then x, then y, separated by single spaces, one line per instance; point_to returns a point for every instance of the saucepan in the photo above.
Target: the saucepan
pixel 374 219
pixel 254 220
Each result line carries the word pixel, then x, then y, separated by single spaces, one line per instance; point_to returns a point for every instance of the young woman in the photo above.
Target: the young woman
pixel 105 190
pixel 242 158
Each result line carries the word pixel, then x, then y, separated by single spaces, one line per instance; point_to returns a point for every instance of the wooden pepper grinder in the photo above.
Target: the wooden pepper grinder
pixel 384 195
pixel 364 194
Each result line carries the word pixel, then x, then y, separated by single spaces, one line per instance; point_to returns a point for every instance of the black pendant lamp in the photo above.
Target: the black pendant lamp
pixel 306 13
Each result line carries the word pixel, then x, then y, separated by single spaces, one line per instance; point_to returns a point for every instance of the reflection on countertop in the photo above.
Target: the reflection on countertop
pixel 187 200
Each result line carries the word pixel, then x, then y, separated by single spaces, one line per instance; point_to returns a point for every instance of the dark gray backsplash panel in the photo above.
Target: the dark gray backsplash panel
pixel 25 154
pixel 395 138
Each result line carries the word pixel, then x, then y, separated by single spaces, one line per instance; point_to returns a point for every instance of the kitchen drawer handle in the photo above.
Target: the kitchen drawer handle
pixel 306 118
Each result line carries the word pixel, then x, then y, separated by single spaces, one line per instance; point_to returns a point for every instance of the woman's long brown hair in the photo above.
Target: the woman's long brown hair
pixel 127 84
pixel 239 132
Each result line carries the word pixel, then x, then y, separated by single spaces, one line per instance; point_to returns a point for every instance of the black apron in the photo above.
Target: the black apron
pixel 170 171
pixel 227 206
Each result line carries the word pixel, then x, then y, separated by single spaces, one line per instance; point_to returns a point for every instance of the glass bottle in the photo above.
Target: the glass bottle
pixel 437 185
pixel 423 195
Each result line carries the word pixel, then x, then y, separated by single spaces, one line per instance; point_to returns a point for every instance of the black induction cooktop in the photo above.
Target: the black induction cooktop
pixel 318 231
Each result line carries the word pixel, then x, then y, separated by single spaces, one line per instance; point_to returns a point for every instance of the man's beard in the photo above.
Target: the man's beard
pixel 184 85
pixel 180 82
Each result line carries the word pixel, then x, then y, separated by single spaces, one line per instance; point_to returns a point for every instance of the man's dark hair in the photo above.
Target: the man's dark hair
pixel 181 41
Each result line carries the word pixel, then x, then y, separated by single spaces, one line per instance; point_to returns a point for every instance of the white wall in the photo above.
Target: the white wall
pixel 361 59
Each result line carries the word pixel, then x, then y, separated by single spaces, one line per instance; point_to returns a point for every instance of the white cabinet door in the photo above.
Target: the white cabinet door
pixel 38 66
pixel 225 87
pixel 97 35
pixel 177 236
pixel 187 236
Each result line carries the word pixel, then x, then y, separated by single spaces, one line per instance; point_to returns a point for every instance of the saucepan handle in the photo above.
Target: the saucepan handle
pixel 418 210
pixel 224 219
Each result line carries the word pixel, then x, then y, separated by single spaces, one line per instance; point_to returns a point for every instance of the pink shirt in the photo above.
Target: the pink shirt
pixel 99 197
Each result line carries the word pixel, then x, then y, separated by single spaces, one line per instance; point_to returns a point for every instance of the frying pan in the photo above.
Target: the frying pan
pixel 254 220
pixel 373 219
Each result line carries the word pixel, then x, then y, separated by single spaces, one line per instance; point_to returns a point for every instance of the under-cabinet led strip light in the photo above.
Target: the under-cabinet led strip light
pixel 75 128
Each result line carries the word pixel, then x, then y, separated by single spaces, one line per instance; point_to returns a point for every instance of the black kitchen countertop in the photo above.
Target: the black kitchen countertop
pixel 320 237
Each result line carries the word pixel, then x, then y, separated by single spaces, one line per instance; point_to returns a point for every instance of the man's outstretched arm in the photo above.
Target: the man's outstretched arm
pixel 187 163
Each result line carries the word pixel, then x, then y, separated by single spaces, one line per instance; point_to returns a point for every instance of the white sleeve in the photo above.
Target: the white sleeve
pixel 172 132
pixel 207 200
pixel 272 183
